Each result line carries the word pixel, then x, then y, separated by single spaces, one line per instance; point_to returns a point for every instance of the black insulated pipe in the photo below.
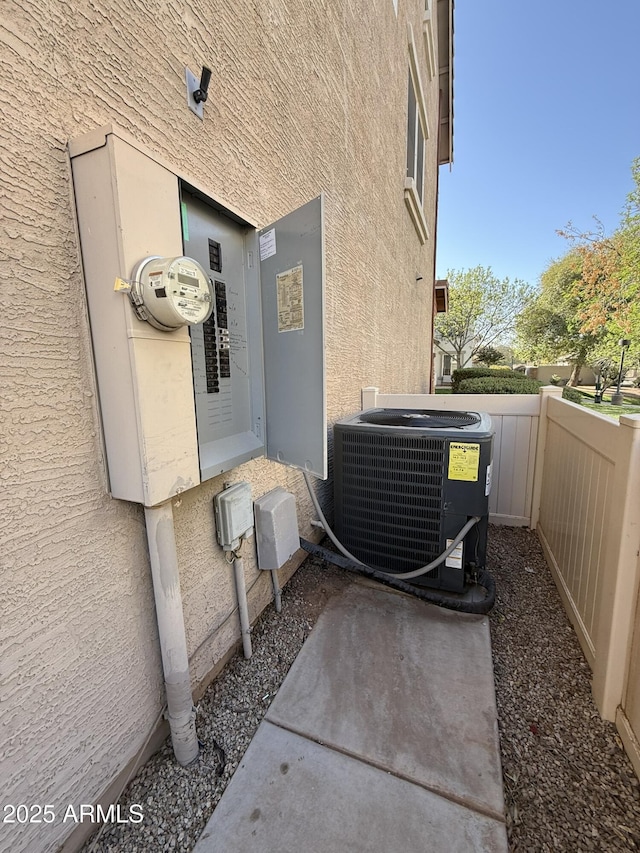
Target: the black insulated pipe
pixel 462 605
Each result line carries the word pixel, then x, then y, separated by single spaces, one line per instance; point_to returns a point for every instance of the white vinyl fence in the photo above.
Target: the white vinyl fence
pixel 589 527
pixel 516 420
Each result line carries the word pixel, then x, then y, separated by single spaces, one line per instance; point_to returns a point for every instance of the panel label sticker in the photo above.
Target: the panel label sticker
pixel 290 300
pixel 454 560
pixel 464 461
pixel 267 244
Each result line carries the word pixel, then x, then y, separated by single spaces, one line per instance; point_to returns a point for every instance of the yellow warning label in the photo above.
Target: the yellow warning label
pixel 464 461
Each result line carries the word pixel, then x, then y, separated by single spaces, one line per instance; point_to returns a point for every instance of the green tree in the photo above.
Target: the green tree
pixel 488 356
pixel 610 284
pixel 606 364
pixel 481 311
pixel 551 326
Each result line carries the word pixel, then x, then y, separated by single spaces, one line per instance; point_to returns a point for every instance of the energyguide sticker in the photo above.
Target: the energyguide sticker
pixel 464 461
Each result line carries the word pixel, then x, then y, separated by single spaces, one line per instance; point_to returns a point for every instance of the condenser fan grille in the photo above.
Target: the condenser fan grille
pixel 420 418
pixel 392 495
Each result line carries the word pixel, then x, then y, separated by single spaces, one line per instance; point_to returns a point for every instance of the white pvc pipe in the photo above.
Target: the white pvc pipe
pixel 241 592
pixel 173 642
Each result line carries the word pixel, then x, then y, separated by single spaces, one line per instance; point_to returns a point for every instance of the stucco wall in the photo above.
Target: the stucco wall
pixel 544 372
pixel 305 97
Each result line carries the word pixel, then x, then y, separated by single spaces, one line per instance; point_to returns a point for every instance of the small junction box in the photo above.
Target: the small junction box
pixel 277 534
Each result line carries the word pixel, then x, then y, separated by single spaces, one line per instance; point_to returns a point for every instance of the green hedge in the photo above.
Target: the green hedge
pixel 463 373
pixel 496 385
pixel 572 395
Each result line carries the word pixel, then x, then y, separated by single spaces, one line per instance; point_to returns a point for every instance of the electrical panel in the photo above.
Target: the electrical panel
pixel 226 350
pixel 244 377
pixel 264 338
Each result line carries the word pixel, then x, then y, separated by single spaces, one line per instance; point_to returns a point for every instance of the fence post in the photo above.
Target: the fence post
pixel 546 392
pixel 369 395
pixel 620 577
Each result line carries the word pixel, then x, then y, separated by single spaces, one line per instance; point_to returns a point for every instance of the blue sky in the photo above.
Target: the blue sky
pixel 546 124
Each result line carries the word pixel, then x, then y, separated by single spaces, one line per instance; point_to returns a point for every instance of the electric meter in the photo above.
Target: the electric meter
pixel 171 292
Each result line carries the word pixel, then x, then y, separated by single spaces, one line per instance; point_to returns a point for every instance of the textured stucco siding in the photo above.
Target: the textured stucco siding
pixel 305 97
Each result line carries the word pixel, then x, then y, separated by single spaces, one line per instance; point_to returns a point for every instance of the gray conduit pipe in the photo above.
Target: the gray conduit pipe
pixel 173 642
pixel 243 607
pixel 277 592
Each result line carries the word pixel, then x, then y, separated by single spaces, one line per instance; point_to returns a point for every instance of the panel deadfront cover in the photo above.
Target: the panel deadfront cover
pixel 226 349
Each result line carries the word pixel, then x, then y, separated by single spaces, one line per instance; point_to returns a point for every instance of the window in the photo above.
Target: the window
pixel 415 143
pixel 446 365
pixel 417 134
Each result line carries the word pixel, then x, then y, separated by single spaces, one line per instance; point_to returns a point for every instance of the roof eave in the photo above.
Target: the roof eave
pixel 445 73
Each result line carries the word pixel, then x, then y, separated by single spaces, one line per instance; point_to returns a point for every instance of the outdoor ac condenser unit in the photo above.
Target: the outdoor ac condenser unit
pixel 406 482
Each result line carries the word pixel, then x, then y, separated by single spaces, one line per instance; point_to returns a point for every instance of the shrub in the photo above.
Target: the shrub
pixel 497 385
pixel 463 373
pixel 572 395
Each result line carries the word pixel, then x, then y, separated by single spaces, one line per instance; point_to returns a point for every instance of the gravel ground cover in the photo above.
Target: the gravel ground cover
pixel 178 801
pixel 568 784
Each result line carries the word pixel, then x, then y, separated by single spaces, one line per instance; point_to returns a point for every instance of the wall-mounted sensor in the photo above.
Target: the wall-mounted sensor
pixel 201 93
pixel 197 90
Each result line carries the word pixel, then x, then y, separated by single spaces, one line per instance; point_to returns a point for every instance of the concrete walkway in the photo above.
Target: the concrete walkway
pixel 382 738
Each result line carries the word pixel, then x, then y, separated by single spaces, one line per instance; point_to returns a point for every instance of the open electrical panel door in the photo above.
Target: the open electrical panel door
pixel 292 285
pixel 258 360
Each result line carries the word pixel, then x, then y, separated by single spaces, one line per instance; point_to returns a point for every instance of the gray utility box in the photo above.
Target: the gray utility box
pixel 179 407
pixel 277 536
pixel 406 482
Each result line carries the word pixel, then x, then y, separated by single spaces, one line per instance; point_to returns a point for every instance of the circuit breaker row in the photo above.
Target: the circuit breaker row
pixel 216 342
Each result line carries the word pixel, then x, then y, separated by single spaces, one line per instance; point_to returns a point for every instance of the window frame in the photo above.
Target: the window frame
pixel 418 128
pixel 427 32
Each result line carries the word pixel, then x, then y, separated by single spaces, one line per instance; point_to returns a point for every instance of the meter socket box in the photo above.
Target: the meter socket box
pixel 244 377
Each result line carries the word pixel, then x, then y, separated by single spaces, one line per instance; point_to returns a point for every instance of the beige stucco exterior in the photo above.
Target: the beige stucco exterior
pixel 544 372
pixel 305 97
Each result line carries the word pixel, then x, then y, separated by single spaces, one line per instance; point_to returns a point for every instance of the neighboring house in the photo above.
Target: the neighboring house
pixel 445 359
pixel 352 101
